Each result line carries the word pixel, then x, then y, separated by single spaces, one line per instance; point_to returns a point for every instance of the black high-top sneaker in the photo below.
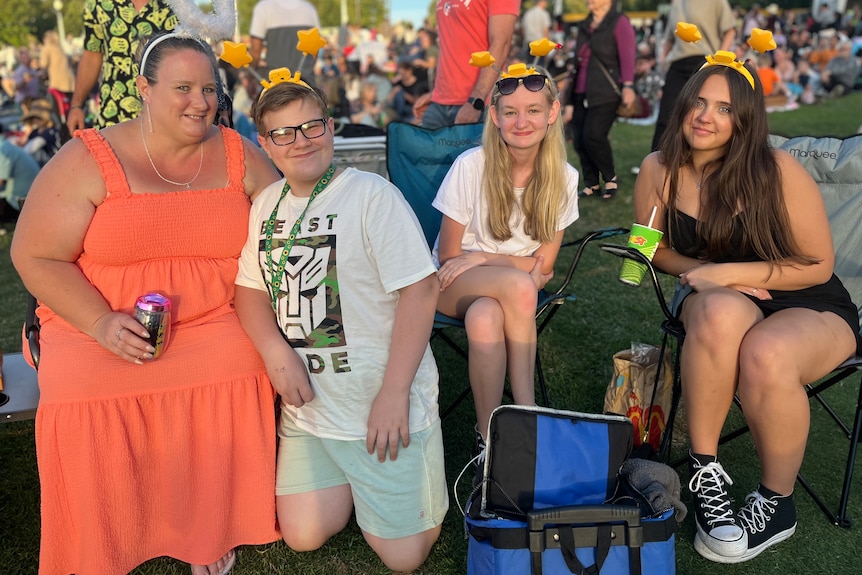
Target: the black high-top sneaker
pixel 719 538
pixel 768 518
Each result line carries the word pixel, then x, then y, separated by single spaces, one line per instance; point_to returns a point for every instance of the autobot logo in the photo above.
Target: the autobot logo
pixel 309 306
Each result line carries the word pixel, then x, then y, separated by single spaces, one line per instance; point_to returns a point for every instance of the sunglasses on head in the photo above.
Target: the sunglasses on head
pixel 533 82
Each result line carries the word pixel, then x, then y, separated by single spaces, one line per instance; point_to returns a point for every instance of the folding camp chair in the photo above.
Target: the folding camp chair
pixel 19 394
pixel 836 166
pixel 418 160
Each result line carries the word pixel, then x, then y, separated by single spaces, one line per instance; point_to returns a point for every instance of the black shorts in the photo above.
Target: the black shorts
pixel 830 296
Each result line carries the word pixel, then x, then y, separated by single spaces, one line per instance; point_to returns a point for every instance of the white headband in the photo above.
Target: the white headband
pixel 149 48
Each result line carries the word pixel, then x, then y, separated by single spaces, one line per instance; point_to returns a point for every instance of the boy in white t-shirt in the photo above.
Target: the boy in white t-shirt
pixel 343 322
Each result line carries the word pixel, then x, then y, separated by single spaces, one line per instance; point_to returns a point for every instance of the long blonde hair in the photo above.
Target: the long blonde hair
pixel 545 197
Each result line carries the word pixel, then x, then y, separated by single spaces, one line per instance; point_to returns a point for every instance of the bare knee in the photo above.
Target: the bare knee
pixel 522 294
pixel 405 554
pixel 306 535
pixel 766 367
pixel 484 320
pixel 717 319
pixel 301 539
pixel 307 521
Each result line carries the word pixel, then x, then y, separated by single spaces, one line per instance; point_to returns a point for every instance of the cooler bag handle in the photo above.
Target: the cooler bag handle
pixel 603 515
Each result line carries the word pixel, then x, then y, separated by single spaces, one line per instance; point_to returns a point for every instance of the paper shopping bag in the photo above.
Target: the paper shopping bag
pixel 633 391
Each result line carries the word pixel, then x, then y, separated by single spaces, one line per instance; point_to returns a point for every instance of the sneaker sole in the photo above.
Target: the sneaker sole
pixel 708 553
pixel 703 549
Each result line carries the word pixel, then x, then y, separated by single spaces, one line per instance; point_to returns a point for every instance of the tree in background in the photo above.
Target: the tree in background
pixel 24 20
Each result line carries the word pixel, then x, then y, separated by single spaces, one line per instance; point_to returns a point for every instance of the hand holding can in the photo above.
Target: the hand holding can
pixel 153 311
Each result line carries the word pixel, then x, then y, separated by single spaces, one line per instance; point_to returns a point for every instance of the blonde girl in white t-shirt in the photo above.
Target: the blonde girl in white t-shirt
pixel 505 207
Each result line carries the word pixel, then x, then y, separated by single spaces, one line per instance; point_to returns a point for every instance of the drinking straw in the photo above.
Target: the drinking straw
pixel 652 216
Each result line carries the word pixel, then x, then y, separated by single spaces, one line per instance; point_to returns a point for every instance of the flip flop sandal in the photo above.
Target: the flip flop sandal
pixel 229 565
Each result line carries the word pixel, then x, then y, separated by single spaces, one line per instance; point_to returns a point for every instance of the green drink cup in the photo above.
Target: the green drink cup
pixel 644 239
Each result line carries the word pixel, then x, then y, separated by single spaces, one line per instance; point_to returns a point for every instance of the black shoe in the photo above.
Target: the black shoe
pixel 719 537
pixel 590 191
pixel 768 518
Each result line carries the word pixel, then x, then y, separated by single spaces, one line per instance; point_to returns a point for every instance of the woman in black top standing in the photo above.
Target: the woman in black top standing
pixel 604 77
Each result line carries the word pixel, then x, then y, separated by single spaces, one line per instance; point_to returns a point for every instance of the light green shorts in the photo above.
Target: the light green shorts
pixel 393 499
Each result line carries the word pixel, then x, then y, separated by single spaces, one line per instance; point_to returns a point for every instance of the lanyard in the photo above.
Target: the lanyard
pixel 277 274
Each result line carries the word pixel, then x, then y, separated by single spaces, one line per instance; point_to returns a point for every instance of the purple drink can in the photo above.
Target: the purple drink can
pixel 153 311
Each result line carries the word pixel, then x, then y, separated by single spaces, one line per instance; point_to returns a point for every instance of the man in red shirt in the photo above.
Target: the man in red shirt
pixel 464 27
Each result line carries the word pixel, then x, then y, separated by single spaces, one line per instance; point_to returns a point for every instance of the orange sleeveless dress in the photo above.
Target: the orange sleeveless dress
pixel 175 457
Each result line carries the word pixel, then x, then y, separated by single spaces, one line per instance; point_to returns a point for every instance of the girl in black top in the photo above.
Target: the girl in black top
pixel 747 233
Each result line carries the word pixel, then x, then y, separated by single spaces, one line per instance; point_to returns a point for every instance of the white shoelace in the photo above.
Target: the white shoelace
pixel 757 512
pixel 707 484
pixel 479 460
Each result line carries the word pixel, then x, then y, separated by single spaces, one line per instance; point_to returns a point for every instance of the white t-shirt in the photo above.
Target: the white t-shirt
pixel 460 198
pixel 277 23
pixel 358 245
pixel 712 17
pixel 535 23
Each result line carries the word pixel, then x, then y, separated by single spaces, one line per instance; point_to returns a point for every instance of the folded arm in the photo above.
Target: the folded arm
pixel 809 227
pixel 454 261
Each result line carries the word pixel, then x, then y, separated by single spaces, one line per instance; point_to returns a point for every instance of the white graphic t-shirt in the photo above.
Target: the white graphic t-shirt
pixel 359 243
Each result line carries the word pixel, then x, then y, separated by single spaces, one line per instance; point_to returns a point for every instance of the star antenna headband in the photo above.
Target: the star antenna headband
pixel 760 40
pixel 310 43
pixel 538 49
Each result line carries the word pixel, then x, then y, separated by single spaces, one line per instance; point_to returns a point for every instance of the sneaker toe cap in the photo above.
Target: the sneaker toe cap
pixel 728 540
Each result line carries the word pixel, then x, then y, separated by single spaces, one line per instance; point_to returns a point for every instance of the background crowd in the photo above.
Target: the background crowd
pixel 371 78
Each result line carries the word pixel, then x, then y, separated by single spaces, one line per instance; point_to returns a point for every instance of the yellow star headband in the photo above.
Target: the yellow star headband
pixel 281 75
pixel 761 41
pixel 728 59
pixel 310 43
pixel 538 49
pixel 518 71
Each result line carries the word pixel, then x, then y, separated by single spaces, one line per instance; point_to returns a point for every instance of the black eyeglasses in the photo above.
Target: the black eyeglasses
pixel 533 82
pixel 287 135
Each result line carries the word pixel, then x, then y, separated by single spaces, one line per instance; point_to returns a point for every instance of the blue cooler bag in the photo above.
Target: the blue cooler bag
pixel 543 508
pixel 580 540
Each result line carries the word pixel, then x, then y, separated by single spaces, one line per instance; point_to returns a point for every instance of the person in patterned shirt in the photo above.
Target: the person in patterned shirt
pixel 112 32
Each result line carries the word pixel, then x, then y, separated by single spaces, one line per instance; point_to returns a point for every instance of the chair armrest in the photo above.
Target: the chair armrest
pixel 581 243
pixel 652 274
pixel 31 329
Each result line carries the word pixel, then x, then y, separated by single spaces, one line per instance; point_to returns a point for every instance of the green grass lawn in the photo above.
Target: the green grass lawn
pixel 576 351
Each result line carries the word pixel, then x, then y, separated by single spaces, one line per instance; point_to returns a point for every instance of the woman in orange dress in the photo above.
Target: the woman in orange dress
pixel 141 457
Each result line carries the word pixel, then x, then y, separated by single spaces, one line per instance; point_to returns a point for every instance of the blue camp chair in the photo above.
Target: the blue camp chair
pixel 417 160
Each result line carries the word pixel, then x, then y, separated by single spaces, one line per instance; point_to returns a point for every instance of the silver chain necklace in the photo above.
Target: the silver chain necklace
pixel 697 184
pixel 188 184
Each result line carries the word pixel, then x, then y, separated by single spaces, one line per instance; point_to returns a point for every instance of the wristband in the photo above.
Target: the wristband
pixel 76 107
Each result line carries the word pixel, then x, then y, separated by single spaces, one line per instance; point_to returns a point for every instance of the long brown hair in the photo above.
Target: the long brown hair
pixel 743 187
